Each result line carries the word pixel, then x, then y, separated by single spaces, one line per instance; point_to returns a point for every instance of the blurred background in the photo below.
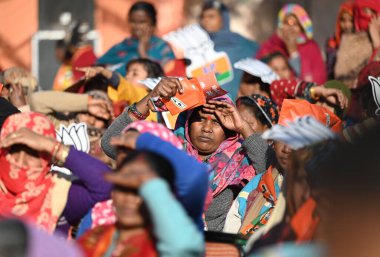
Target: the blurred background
pixel 30 28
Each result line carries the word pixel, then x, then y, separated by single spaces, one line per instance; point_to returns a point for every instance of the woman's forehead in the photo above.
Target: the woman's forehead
pixel 203 114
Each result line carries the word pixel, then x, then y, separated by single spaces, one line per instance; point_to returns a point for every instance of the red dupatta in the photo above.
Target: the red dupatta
pixel 27 190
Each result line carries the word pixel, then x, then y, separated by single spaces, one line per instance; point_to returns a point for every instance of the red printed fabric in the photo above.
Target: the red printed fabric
pixel 27 191
pixel 287 89
pixel 361 18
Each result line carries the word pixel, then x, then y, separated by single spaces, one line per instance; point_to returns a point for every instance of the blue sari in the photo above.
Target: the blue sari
pixel 120 54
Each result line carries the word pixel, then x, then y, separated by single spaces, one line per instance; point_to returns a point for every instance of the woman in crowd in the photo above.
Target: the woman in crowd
pixel 142 20
pixel 280 65
pixel 93 108
pixel 30 191
pixel 211 134
pixel 258 111
pixel 357 49
pixel 215 19
pixel 344 25
pixel 294 39
pixel 149 220
pixel 255 203
pixel 296 220
pixel 187 177
pixel 261 114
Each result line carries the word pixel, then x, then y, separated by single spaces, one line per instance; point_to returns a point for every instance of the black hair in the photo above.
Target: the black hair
pixel 268 58
pixel 7 109
pixel 156 162
pixel 259 115
pixel 13 238
pixel 98 82
pixel 148 8
pixel 153 68
pixel 250 79
pixel 366 100
pixel 60 43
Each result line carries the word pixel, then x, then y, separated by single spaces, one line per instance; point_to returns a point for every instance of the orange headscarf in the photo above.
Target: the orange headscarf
pixel 344 8
pixel 27 191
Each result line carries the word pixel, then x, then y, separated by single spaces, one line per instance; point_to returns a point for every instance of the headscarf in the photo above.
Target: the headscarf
pixel 344 8
pixel 362 20
pixel 371 69
pixel 18 75
pixel 355 108
pixel 236 46
pixel 313 66
pixel 229 164
pixel 266 106
pixel 29 189
pixel 302 16
pixel 155 129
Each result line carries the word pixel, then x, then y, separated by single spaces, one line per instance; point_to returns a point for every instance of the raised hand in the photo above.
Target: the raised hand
pixel 90 72
pixel 31 139
pixel 374 31
pixel 167 88
pixel 126 140
pixel 332 96
pixel 229 117
pixel 16 95
pixel 100 108
pixel 131 177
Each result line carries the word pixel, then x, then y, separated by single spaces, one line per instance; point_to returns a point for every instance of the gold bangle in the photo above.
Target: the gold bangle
pixel 63 155
pixel 312 94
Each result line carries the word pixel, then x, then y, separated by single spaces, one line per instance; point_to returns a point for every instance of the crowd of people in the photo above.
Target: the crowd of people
pixel 283 164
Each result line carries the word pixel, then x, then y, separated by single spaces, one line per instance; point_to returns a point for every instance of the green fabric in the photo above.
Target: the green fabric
pixel 345 90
